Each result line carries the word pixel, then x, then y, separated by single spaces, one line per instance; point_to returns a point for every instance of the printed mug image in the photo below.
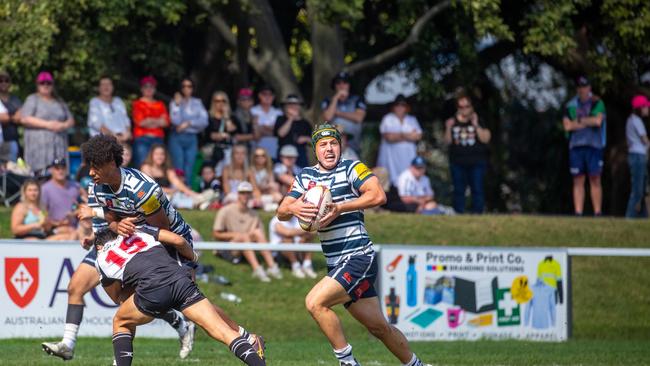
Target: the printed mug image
pixel 455 317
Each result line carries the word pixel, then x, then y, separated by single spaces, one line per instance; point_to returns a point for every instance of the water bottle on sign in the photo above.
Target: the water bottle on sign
pixel 411 283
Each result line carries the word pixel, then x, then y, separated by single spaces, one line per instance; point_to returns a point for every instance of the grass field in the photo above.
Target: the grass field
pixel 611 298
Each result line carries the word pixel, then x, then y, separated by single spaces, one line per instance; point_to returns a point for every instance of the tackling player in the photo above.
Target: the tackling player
pixel 351 260
pixel 139 261
pixel 135 198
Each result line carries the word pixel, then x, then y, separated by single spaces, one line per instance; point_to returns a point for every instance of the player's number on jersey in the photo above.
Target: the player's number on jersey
pixel 129 246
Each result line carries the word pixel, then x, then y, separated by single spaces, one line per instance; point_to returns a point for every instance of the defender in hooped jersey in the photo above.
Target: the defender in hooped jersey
pixel 139 261
pixel 347 247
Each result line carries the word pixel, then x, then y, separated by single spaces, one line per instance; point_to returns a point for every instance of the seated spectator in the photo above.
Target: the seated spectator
pixel 28 219
pixel 286 169
pixel 240 224
pixel 400 133
pixel 209 180
pixel 291 232
pixel 158 166
pixel 107 114
pixel 415 192
pixel 347 152
pixel 292 129
pixel 236 172
pixel 150 118
pixel 262 173
pixel 60 198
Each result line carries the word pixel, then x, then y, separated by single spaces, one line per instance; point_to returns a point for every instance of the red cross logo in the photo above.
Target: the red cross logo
pixel 21 279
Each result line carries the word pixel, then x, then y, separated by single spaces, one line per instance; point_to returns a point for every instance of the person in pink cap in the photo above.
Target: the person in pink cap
pixel 637 145
pixel 244 117
pixel 150 118
pixel 46 119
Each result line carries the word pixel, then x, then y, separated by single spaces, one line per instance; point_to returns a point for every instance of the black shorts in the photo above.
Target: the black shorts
pixel 357 275
pixel 178 295
pixel 91 257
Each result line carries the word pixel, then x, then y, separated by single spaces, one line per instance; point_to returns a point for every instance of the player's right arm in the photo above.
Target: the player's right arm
pixel 293 204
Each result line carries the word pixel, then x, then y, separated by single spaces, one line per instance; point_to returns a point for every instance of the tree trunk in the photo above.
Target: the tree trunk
pixel 327 60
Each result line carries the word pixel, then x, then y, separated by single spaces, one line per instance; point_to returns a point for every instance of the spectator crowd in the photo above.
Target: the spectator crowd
pixel 244 159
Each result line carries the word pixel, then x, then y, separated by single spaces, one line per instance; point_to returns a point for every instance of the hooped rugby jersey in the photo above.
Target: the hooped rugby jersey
pixel 138 196
pixel 113 257
pixel 347 234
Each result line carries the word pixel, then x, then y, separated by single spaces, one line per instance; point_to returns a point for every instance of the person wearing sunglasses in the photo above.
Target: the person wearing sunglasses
pixel 150 118
pixel 46 118
pixel 189 118
pixel 9 121
pixel 468 153
pixel 107 113
pixel 219 135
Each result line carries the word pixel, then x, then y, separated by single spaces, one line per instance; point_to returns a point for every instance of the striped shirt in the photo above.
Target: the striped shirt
pixel 138 196
pixel 346 235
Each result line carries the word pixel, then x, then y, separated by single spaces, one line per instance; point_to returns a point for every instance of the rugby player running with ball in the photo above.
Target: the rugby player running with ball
pixel 351 259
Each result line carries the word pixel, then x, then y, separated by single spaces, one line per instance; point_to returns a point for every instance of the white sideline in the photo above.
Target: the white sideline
pixel 220 245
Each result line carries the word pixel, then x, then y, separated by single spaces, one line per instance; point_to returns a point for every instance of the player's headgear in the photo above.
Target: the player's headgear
pixel 323 131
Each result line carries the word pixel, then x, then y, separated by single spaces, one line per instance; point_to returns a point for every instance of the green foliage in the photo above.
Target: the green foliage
pixel 486 16
pixel 549 28
pixel 343 12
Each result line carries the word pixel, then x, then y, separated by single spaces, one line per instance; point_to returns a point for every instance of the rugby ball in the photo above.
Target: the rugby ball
pixel 318 196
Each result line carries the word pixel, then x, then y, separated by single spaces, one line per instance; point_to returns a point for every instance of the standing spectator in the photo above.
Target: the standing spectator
pixel 467 139
pixel 189 118
pixel 265 116
pixel 292 129
pixel 60 198
pixel 400 133
pixel 9 122
pixel 345 109
pixel 240 224
pixel 244 117
pixel 585 122
pixel 286 169
pixel 150 118
pixel 220 131
pixel 637 145
pixel 289 232
pixel 107 113
pixel 46 119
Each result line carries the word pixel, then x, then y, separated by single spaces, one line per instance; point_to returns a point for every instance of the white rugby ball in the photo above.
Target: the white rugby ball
pixel 318 196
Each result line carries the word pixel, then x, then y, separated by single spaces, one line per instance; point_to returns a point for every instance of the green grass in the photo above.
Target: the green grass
pixel 610 301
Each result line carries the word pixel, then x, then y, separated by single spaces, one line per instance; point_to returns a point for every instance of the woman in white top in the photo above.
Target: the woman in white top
pixel 107 114
pixel 400 133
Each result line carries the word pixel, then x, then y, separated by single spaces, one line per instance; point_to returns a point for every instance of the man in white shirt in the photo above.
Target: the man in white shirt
pixel 291 232
pixel 414 187
pixel 264 117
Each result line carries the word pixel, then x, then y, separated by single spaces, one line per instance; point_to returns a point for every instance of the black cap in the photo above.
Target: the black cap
pixel 58 162
pixel 419 162
pixel 341 76
pixel 582 81
pixel 265 87
pixel 400 98
pixel 292 99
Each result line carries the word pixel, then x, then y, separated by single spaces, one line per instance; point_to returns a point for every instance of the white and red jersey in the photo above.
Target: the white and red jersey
pixel 112 259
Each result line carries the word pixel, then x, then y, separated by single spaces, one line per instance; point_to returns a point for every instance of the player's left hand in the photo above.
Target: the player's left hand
pixel 333 211
pixel 126 226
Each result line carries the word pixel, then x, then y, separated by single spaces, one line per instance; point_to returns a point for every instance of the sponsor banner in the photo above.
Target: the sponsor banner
pixel 34 296
pixel 447 293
